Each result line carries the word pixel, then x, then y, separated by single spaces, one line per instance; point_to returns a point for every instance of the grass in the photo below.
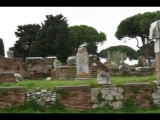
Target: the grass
pixel 52 84
pixel 133 79
pixel 33 107
pixel 56 108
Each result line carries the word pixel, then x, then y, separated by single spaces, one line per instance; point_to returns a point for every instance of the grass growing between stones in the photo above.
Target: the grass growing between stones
pixel 34 108
pixel 52 84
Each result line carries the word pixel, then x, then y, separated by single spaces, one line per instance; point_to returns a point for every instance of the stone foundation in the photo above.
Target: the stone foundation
pixel 11 96
pixel 7 77
pixel 82 97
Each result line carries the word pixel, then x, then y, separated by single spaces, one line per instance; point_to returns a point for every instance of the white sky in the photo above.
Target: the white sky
pixel 104 19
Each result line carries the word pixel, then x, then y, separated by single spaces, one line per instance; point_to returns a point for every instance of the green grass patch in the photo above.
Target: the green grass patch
pixel 52 84
pixel 35 108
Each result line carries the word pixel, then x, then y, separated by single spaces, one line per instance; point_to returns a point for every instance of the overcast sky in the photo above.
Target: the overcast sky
pixel 104 19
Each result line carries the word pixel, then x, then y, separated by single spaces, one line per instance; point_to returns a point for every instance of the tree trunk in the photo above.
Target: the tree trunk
pixel 146 50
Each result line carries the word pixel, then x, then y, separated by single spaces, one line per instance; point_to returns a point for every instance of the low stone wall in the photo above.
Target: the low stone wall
pixel 13 64
pixel 108 96
pixel 38 70
pixel 64 72
pixel 140 93
pixel 44 69
pixel 11 96
pixel 156 96
pixel 74 97
pixel 82 97
pixel 132 74
pixel 43 97
pixel 7 77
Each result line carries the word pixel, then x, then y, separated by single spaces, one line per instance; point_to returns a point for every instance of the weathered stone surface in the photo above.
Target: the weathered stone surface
pixel 103 77
pixel 154 30
pixel 117 104
pixel 82 61
pixel 71 60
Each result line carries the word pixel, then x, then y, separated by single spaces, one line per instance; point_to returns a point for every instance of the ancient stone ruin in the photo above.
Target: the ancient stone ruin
pixel 103 77
pixel 82 64
pixel 154 34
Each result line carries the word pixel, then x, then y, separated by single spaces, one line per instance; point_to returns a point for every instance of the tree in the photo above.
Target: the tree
pixel 84 35
pixel 2 53
pixel 55 38
pixel 91 48
pixel 150 47
pixel 116 56
pixel 131 53
pixel 26 37
pixel 52 38
pixel 136 27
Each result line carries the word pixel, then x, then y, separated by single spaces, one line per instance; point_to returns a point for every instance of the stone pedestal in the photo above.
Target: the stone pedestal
pixel 103 78
pixel 154 34
pixel 83 76
pixel 82 65
pixel 157 67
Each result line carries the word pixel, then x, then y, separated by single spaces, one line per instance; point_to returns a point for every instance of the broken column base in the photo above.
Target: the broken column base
pixel 7 76
pixel 83 76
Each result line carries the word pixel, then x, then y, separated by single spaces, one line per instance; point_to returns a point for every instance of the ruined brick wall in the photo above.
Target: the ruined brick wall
pixel 2 63
pixel 27 70
pixel 13 64
pixel 74 97
pixel 82 97
pixel 99 66
pixel 11 96
pixel 64 72
pixel 69 72
pixel 140 93
pixel 38 70
pixel 7 77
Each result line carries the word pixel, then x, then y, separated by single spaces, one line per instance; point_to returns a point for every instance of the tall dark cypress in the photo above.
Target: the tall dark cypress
pixel 2 48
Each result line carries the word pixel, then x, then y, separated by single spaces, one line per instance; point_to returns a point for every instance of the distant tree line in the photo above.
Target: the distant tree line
pixel 130 53
pixel 137 27
pixel 55 38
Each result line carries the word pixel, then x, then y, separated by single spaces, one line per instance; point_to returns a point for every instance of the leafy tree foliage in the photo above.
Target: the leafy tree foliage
pixel 150 48
pixel 131 53
pixel 2 53
pixel 26 37
pixel 55 38
pixel 52 38
pixel 92 49
pixel 84 35
pixel 136 27
pixel 116 57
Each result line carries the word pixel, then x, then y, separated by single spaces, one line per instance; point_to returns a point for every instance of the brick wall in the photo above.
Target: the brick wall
pixel 74 97
pixel 7 77
pixel 64 72
pixel 38 70
pixel 11 96
pixel 80 97
pixel 27 70
pixel 141 93
pixel 13 64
